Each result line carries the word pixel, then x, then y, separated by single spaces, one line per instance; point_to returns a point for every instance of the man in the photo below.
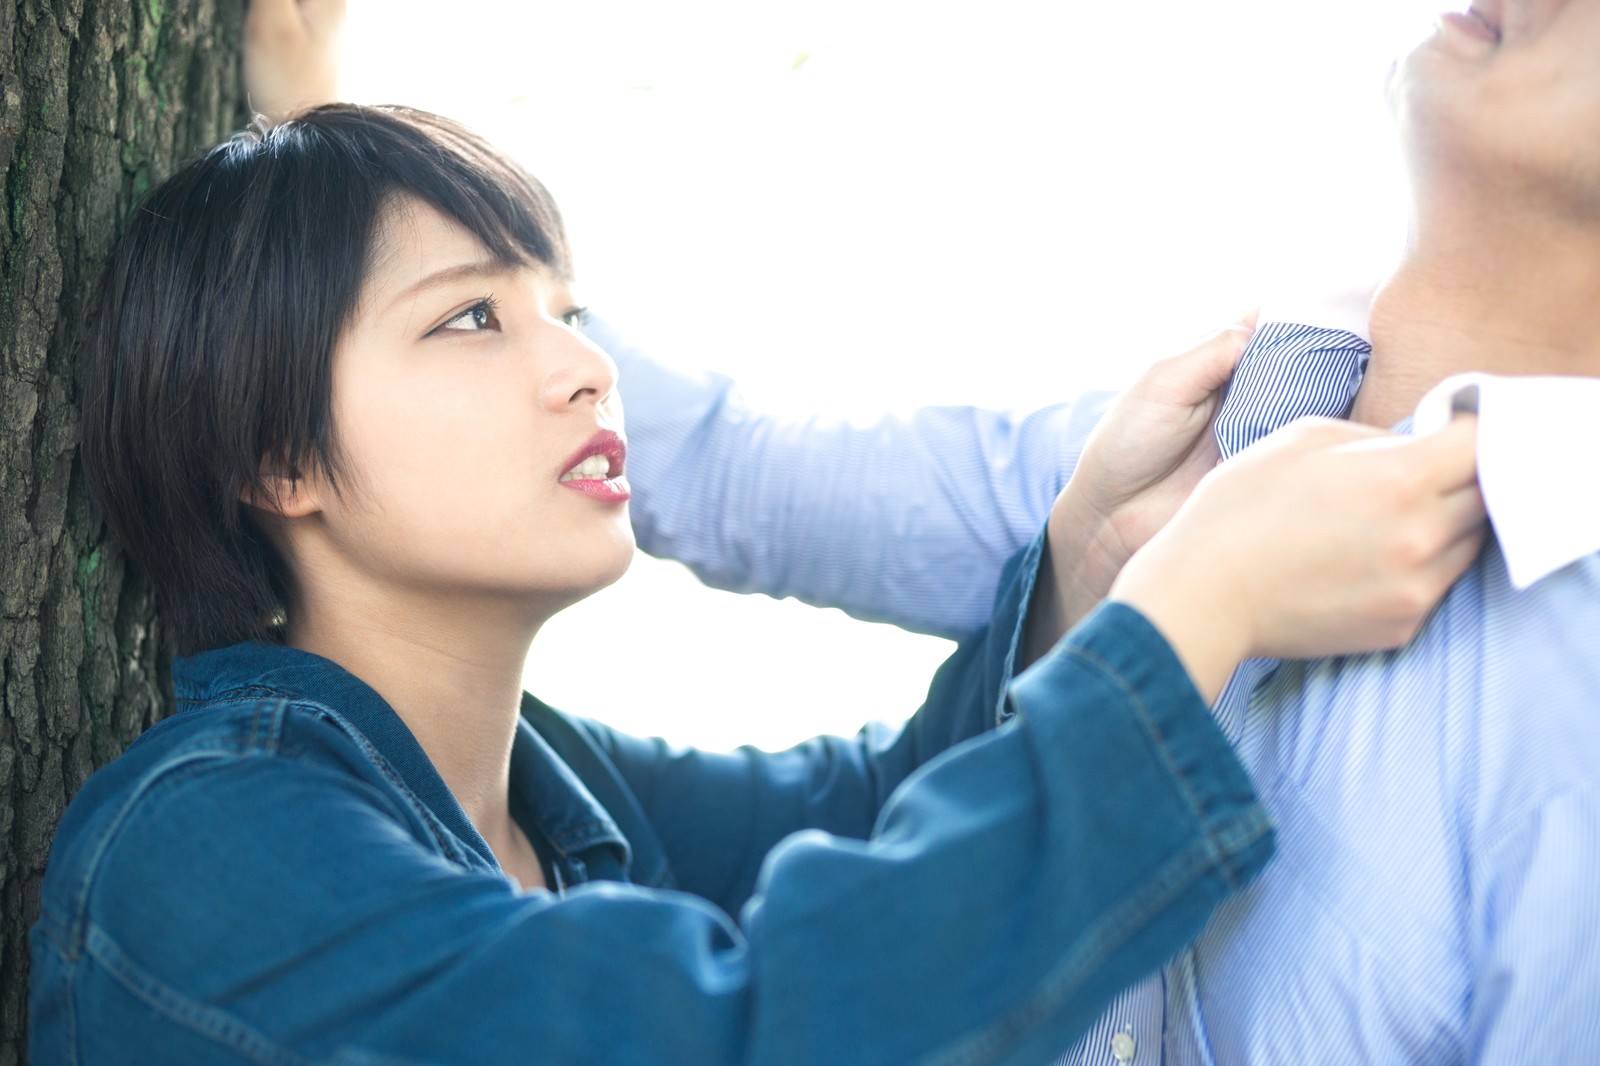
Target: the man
pixel 1438 893
pixel 1437 896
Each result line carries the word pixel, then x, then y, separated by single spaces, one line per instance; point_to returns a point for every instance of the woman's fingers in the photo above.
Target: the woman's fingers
pixel 1315 433
pixel 1462 510
pixel 1451 453
pixel 1453 561
pixel 1325 538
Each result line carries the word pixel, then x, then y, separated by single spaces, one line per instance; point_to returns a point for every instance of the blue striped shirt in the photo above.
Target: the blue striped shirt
pixel 1437 894
pixel 1436 897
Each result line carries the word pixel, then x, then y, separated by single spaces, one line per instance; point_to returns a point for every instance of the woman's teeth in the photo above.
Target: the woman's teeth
pixel 596 467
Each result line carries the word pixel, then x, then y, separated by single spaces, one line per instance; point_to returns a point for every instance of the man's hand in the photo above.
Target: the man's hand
pixel 1138 467
pixel 291 54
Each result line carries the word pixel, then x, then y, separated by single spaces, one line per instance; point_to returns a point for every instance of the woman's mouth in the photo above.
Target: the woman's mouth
pixel 596 469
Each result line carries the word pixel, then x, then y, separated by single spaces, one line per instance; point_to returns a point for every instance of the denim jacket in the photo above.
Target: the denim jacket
pixel 277 874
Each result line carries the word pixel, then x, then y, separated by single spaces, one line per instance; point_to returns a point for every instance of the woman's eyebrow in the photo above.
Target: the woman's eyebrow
pixel 479 268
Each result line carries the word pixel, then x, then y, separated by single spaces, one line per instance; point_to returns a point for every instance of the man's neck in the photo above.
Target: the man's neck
pixel 1498 298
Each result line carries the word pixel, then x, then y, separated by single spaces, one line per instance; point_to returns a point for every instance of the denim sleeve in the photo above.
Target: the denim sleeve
pixel 717 814
pixel 273 907
pixel 906 521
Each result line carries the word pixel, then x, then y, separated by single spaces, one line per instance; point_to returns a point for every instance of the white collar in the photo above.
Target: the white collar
pixel 1538 446
pixel 1538 443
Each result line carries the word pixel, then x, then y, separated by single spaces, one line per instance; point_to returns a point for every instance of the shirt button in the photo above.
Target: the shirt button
pixel 1123 1047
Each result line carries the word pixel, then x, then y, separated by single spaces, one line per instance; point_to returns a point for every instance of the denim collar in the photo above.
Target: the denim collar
pixel 547 797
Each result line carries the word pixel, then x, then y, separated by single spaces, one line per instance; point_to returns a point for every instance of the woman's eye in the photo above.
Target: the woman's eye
pixel 479 316
pixel 575 317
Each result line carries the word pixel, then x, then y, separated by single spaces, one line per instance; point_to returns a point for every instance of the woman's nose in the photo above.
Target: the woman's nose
pixel 578 371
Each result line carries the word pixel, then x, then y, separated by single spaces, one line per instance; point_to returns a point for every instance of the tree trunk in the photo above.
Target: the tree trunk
pixel 98 98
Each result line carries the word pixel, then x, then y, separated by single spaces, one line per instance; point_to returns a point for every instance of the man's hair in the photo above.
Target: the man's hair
pixel 207 364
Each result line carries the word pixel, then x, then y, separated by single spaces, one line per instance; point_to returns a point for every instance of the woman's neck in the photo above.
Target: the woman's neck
pixel 1500 298
pixel 451 669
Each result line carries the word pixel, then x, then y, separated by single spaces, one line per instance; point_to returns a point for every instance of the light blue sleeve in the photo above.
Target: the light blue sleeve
pixel 908 520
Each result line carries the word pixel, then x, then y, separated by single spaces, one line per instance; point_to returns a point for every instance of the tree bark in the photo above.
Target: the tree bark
pixel 98 99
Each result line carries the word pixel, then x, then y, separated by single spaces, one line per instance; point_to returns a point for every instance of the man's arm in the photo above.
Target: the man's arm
pixel 907 521
pixel 291 54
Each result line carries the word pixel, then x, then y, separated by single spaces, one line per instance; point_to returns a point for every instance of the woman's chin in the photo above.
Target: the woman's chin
pixel 614 574
pixel 584 579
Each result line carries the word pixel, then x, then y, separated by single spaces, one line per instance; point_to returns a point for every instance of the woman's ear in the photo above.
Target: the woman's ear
pixel 285 495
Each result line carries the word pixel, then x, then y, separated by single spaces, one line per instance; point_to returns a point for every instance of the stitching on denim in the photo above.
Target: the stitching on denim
pixel 360 1057
pixel 583 835
pixel 57 932
pixel 264 727
pixel 210 1022
pixel 162 777
pixel 442 837
pixel 1030 578
pixel 1146 721
pixel 70 1010
pixel 1096 946
pixel 1217 852
pixel 238 694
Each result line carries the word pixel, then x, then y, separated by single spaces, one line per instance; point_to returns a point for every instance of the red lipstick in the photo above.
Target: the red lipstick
pixel 596 469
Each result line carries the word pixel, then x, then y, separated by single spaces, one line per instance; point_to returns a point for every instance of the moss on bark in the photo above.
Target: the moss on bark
pixel 98 98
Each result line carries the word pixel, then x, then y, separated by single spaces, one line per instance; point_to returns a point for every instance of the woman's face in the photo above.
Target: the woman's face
pixel 479 432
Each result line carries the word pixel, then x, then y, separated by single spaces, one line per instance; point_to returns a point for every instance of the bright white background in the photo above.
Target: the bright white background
pixel 858 205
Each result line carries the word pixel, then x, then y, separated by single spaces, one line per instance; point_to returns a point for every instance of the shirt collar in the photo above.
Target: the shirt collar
pixel 548 793
pixel 1537 441
pixel 1537 436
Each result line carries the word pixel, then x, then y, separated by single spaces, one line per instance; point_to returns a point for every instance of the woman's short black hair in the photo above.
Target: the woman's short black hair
pixel 209 357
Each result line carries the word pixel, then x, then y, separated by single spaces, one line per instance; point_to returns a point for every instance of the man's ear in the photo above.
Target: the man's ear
pixel 286 495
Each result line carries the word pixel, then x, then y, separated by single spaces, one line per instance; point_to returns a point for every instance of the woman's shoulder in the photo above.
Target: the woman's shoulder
pixel 193 744
pixel 221 767
pixel 213 852
pixel 240 703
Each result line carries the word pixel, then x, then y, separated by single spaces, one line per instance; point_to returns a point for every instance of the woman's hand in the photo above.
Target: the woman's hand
pixel 291 54
pixel 1139 466
pixel 1325 538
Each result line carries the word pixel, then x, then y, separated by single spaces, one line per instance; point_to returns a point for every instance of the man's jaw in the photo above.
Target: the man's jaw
pixel 1516 21
pixel 1490 14
pixel 1480 22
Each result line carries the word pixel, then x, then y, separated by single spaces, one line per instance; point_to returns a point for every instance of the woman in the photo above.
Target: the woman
pixel 336 407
